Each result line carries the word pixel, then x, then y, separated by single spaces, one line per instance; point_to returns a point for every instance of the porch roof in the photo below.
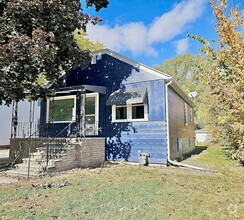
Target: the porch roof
pixel 83 88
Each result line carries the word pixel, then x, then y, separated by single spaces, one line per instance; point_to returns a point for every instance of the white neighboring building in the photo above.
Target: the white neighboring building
pixel 202 135
pixel 23 116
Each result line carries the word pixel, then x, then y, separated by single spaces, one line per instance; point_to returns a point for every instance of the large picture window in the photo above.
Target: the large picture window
pixel 61 109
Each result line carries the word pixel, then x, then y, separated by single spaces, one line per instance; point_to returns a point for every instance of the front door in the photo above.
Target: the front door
pixel 91 114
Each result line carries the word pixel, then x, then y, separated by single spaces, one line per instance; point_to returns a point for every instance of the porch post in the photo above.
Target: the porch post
pixel 82 114
pixel 14 119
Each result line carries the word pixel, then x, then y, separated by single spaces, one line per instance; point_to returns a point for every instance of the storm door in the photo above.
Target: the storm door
pixel 91 114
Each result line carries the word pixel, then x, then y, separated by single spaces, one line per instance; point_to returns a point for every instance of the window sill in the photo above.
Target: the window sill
pixel 129 120
pixel 58 122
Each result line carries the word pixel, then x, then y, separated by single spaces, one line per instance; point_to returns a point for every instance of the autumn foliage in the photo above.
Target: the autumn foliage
pixel 226 80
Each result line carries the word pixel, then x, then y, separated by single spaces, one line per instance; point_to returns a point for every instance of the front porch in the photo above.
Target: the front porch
pixel 54 155
pixel 67 135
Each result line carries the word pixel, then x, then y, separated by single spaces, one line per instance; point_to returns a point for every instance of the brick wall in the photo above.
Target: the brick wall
pixel 87 152
pixel 90 153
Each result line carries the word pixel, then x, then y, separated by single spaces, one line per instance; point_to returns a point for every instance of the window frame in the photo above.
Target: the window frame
pixel 129 113
pixel 96 123
pixel 61 98
pixel 96 96
pixel 185 115
pixel 179 144
pixel 191 114
pixel 120 106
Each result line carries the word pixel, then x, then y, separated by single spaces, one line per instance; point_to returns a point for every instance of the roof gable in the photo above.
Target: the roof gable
pixel 96 55
pixel 137 65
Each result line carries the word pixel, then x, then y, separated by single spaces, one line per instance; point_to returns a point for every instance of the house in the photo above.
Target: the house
pixel 131 107
pixel 125 102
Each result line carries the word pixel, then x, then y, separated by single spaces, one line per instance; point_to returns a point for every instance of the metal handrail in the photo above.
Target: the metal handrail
pixel 20 146
pixel 51 140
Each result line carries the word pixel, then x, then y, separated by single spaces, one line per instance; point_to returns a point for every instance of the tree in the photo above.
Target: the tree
pixel 187 70
pixel 36 39
pixel 84 43
pixel 226 79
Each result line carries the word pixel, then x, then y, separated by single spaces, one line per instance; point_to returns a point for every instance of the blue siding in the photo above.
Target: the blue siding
pixel 108 72
pixel 156 98
pixel 124 140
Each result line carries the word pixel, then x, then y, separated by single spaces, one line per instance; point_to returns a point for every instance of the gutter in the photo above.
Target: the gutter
pixel 169 161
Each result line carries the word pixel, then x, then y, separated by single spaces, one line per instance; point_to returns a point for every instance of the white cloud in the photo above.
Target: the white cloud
pixel 181 46
pixel 140 39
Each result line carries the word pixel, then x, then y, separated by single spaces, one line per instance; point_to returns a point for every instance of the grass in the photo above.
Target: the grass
pixel 130 192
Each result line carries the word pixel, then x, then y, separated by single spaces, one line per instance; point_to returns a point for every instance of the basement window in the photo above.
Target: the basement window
pixel 179 144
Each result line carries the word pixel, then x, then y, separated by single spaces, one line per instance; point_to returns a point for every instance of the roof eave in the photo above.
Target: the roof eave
pixel 132 62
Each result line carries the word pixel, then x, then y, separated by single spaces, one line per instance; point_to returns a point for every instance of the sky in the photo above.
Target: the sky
pixel 152 31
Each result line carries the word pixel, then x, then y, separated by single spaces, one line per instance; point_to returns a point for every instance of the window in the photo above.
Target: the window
pixel 179 144
pixel 121 112
pixel 137 111
pixel 185 115
pixel 61 109
pixel 130 112
pixel 191 114
pixel 90 110
pixel 190 142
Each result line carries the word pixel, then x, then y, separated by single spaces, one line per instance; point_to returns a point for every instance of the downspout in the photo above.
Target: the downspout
pixel 169 161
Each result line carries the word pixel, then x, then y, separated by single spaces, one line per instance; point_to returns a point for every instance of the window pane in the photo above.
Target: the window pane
pixel 121 113
pixel 90 119
pixel 138 112
pixel 61 110
pixel 185 114
pixel 90 105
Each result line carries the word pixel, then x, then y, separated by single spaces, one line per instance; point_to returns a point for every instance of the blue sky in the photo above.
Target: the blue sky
pixel 151 31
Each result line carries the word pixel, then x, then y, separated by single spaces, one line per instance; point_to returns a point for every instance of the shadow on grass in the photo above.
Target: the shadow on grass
pixel 196 151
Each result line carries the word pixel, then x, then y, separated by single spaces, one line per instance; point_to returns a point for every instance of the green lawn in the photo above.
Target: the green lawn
pixel 130 192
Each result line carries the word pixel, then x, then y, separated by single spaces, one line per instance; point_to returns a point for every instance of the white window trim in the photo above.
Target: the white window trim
pixel 129 113
pixel 96 95
pixel 61 98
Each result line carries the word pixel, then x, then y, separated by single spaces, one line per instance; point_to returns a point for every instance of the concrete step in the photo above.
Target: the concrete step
pixel 21 173
pixel 34 167
pixel 38 154
pixel 33 159
pixel 53 148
